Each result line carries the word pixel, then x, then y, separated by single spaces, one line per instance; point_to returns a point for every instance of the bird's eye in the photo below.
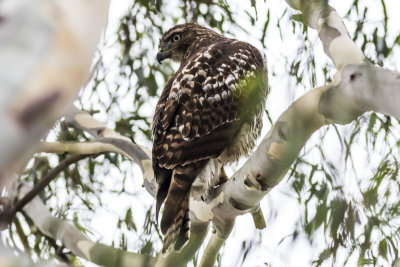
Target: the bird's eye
pixel 176 38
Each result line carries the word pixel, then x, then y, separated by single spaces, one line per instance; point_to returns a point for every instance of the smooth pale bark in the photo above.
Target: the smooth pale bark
pixel 46 48
pixel 181 258
pixel 332 32
pixel 362 88
pixel 79 148
pixel 211 252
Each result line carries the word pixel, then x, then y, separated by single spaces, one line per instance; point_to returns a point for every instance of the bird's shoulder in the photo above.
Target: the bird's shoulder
pixel 201 102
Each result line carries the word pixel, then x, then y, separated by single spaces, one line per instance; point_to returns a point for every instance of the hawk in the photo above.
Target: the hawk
pixel 209 114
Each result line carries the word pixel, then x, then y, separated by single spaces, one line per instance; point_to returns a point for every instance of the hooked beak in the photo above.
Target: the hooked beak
pixel 162 55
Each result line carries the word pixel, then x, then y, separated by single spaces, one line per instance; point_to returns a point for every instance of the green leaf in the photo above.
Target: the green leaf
pixel 298 17
pixel 130 224
pixel 370 197
pixel 383 248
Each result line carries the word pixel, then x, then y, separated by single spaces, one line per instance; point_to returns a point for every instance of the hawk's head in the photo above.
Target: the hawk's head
pixel 175 42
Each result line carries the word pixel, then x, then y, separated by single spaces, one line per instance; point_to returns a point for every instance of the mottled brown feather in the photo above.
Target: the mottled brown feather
pixel 199 114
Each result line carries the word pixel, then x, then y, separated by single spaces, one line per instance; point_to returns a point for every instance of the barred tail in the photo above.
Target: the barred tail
pixel 175 222
pixel 179 230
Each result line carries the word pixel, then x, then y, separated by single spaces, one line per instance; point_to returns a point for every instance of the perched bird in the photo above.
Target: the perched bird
pixel 209 114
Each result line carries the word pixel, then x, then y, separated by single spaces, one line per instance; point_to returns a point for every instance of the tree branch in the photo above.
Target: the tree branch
pixel 78 243
pixel 332 32
pixel 83 120
pixel 74 148
pixel 198 232
pixel 211 252
pixel 362 88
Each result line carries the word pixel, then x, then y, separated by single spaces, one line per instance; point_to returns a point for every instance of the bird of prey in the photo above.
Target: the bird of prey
pixel 209 114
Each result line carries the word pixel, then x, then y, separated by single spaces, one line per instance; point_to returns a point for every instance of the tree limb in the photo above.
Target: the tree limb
pixel 77 242
pixel 83 120
pixel 362 88
pixel 211 252
pixel 332 32
pixel 198 232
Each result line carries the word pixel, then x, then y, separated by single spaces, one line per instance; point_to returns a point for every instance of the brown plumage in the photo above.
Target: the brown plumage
pixel 209 114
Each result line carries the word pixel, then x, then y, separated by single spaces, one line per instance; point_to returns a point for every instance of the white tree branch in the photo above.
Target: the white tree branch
pixel 79 148
pixel 118 143
pixel 334 36
pixel 211 252
pixel 77 242
pixel 362 88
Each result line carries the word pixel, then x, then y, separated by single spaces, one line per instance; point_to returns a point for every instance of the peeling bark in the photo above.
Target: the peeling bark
pixel 332 32
pixel 362 88
pixel 269 163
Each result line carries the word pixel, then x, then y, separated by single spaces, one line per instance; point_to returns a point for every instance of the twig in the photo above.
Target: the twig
pixel 22 236
pixel 9 212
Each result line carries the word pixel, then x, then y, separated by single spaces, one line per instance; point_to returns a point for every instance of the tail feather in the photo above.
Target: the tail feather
pixel 175 222
pixel 184 233
pixel 163 177
pixel 177 200
pixel 178 231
